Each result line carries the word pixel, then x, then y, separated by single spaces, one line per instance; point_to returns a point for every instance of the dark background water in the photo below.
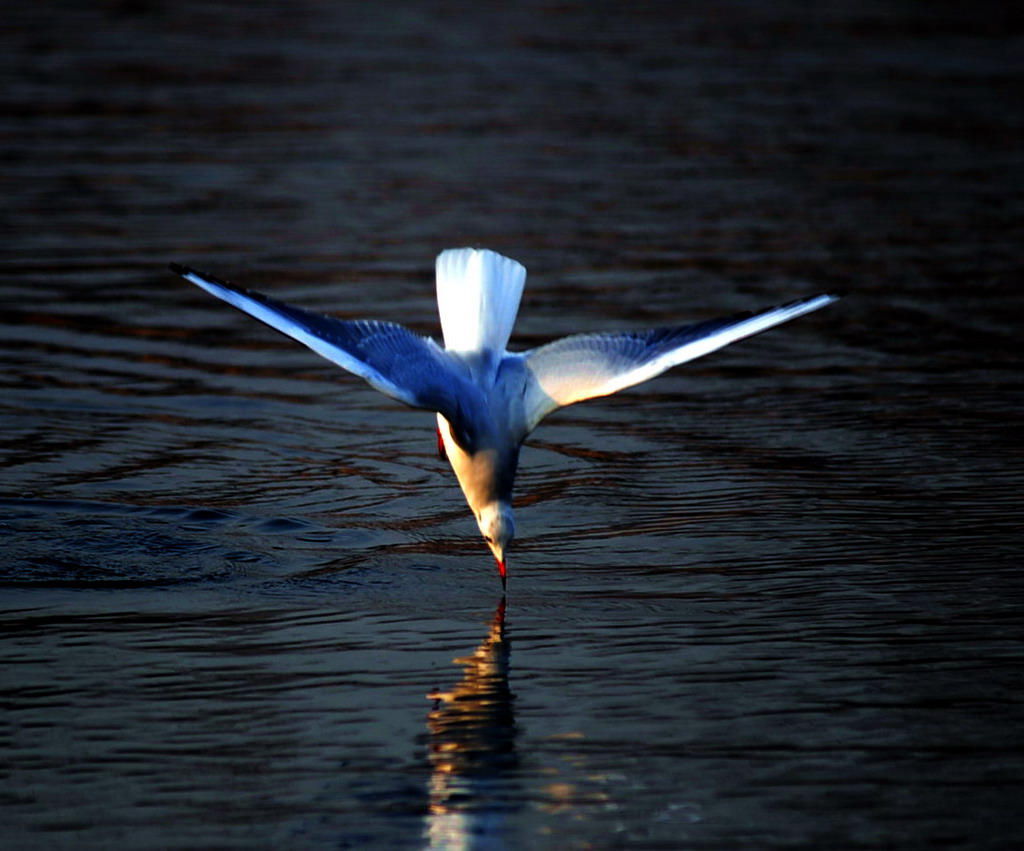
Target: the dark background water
pixel 771 600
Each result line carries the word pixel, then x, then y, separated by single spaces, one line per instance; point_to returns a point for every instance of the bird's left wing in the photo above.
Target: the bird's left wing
pixel 589 365
pixel 395 361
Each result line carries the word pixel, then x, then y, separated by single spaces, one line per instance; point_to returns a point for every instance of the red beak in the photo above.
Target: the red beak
pixel 504 575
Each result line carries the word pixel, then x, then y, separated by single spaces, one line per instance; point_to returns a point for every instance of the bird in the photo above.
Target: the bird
pixel 487 399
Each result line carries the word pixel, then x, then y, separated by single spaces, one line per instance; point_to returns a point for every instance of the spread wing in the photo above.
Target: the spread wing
pixel 394 360
pixel 589 365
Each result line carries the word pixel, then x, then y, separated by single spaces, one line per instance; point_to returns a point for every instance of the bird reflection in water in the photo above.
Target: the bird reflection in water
pixel 472 749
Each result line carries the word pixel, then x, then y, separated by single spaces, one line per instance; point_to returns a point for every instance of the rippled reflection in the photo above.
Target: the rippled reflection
pixel 472 749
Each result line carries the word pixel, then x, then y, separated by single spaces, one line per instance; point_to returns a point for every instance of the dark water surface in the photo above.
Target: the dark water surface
pixel 771 600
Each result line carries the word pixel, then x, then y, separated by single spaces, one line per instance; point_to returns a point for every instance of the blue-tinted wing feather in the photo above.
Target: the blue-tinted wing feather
pixel 395 361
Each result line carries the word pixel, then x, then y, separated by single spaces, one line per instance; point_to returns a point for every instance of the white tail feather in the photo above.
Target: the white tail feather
pixel 478 294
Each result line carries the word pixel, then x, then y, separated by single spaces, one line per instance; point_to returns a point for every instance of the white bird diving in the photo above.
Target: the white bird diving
pixel 488 399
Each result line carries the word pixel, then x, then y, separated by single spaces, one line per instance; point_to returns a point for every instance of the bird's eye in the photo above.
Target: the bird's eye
pixel 489 539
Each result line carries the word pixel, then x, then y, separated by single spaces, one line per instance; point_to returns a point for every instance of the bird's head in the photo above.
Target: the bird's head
pixel 498 527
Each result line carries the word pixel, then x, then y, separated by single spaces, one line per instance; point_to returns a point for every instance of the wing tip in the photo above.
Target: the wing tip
pixel 807 304
pixel 196 277
pixel 824 298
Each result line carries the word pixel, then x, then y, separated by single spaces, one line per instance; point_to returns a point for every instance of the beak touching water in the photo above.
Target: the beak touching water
pixel 498 551
pixel 498 528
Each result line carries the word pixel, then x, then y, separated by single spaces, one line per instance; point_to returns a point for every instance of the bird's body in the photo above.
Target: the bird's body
pixel 488 399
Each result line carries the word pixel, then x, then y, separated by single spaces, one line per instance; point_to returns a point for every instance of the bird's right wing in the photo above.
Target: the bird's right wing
pixel 589 365
pixel 394 360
